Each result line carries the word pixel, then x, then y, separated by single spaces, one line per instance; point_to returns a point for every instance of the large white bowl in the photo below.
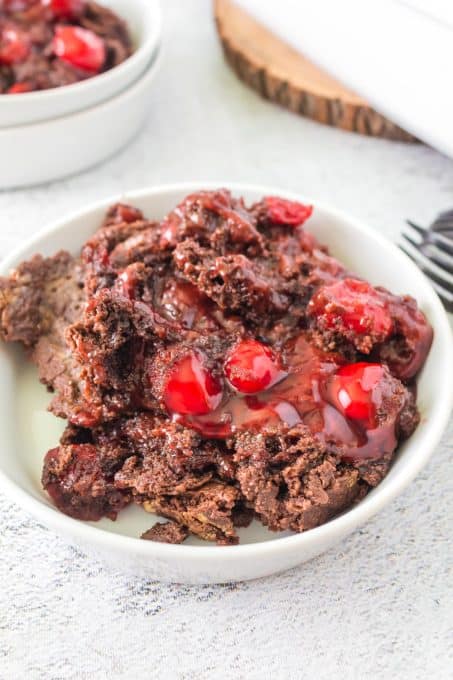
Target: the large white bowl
pixel 27 431
pixel 42 152
pixel 145 23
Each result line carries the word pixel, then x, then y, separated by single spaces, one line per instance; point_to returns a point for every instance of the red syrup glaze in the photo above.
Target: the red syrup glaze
pixel 412 324
pixel 183 303
pixel 127 281
pixel 301 397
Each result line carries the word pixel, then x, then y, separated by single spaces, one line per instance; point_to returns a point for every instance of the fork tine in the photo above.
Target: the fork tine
pixel 445 296
pixel 432 270
pixel 416 244
pixel 440 240
pixel 417 227
pixel 439 257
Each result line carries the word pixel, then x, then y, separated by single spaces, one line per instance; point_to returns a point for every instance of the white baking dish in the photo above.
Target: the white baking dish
pixel 53 149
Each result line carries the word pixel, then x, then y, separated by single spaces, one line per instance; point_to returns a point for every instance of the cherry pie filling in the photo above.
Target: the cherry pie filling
pixel 257 386
pixel 225 358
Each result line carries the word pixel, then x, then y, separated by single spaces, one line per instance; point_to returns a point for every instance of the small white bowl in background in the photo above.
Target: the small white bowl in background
pixel 57 148
pixel 27 431
pixel 145 22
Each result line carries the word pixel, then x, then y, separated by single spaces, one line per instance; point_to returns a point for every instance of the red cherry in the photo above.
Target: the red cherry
pixel 86 418
pixel 127 213
pixel 353 305
pixel 351 390
pixel 252 367
pixel 79 47
pixel 281 211
pixel 14 45
pixel 65 9
pixel 20 88
pixel 190 388
pixel 127 282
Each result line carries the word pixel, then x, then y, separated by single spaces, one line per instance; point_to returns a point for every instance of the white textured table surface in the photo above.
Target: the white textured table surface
pixel 378 606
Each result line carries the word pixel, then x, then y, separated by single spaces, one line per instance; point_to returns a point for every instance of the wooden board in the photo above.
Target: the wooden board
pixel 283 75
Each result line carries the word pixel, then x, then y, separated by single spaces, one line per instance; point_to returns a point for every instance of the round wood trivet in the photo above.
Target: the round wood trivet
pixel 281 74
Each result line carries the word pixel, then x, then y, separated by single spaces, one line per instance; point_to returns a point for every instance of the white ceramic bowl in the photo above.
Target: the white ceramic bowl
pixel 145 22
pixel 27 431
pixel 57 148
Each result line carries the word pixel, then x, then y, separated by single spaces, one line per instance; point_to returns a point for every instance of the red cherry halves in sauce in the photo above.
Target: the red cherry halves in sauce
pixel 20 88
pixel 190 388
pixel 14 45
pixel 252 367
pixel 284 212
pixel 65 9
pixel 351 390
pixel 79 47
pixel 353 305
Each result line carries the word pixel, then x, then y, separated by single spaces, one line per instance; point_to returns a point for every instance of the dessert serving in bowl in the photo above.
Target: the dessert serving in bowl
pixel 58 57
pixel 99 63
pixel 214 365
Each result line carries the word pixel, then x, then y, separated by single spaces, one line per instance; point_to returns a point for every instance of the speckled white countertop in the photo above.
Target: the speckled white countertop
pixel 378 606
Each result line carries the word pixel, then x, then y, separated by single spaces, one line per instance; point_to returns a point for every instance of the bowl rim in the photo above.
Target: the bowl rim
pixel 323 534
pixel 147 46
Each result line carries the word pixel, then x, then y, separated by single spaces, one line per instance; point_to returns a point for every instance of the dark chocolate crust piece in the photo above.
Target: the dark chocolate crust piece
pixel 74 478
pixel 207 512
pixel 166 532
pixel 291 480
pixel 37 304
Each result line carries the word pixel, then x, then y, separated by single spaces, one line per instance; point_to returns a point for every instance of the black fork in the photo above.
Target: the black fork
pixel 432 251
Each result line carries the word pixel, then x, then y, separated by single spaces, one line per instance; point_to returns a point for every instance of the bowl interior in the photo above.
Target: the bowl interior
pixel 27 431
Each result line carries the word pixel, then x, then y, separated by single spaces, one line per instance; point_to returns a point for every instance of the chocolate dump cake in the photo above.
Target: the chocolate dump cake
pixel 215 367
pixel 50 43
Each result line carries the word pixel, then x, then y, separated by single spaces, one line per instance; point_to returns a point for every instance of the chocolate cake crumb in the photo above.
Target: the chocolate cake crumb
pixel 166 532
pixel 207 512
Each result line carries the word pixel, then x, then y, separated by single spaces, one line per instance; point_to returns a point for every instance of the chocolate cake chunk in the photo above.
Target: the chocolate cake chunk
pixel 166 532
pixel 207 512
pixel 110 344
pixel 291 480
pixel 36 293
pixel 226 252
pixel 37 304
pixel 387 327
pixel 167 459
pixel 216 366
pixel 75 480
